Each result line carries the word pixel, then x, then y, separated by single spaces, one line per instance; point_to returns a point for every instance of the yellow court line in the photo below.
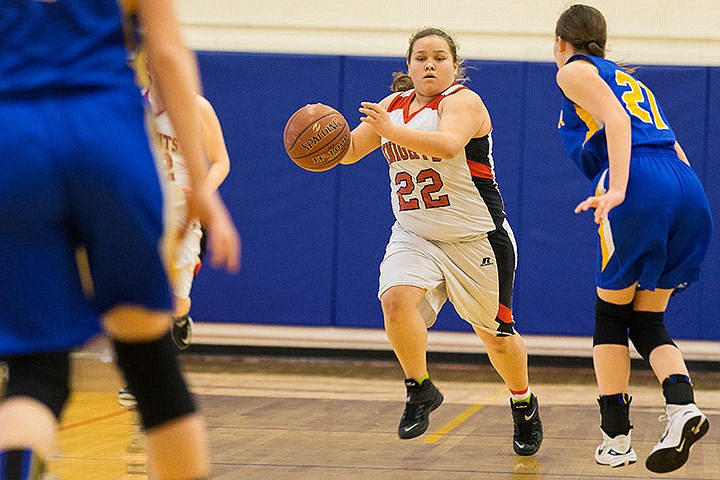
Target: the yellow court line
pixel 438 434
pixel 452 424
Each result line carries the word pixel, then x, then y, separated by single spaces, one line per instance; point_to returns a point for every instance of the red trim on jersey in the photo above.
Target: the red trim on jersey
pixel 404 100
pixel 479 170
pixel 146 94
pixel 504 314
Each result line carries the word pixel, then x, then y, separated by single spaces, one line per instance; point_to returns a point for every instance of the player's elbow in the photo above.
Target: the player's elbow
pixel 450 149
pixel 619 118
pixel 224 168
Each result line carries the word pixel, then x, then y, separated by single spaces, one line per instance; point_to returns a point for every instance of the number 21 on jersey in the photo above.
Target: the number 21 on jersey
pixel 634 97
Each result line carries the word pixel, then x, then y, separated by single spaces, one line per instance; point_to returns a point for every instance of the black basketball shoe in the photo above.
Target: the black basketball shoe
pixel 528 432
pixel 182 331
pixel 421 400
pixel 126 399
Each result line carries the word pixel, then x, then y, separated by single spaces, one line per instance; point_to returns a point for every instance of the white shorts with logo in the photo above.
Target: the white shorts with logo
pixel 466 273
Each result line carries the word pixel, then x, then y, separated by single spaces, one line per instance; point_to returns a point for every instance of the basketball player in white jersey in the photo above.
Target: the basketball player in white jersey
pixel 450 239
pixel 187 257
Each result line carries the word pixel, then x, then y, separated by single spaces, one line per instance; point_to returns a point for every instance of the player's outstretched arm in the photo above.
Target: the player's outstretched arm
pixel 364 138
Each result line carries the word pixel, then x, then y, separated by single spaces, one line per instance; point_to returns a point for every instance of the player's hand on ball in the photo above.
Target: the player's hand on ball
pixel 377 117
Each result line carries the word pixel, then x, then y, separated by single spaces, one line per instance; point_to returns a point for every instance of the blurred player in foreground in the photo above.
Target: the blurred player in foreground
pixel 78 171
pixel 187 257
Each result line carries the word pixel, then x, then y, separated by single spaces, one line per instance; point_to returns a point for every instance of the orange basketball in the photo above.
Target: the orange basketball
pixel 316 137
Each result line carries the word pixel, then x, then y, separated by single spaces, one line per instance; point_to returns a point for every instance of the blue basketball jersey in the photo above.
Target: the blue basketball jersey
pixel 61 46
pixel 659 235
pixel 584 138
pixel 77 177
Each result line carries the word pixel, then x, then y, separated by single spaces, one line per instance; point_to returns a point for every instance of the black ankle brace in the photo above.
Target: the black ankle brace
pixel 21 465
pixel 615 414
pixel 678 390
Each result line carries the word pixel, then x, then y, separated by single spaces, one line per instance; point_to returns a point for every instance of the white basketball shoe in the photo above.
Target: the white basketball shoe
pixel 615 451
pixel 686 425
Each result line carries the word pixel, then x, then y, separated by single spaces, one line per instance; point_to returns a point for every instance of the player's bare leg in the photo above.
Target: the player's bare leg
pixel 406 330
pixel 28 435
pixel 177 449
pixel 508 355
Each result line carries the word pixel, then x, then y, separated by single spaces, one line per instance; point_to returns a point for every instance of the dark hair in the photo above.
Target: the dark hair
pixel 402 81
pixel 584 28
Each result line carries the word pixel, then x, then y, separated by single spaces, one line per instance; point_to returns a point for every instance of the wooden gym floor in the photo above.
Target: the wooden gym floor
pixel 275 417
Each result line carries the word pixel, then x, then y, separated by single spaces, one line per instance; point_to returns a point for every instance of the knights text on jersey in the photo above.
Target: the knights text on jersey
pixel 437 198
pixel 168 147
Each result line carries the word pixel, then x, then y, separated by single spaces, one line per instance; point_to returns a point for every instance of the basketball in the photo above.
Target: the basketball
pixel 316 137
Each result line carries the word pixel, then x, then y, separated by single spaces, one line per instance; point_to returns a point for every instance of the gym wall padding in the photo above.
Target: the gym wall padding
pixel 312 242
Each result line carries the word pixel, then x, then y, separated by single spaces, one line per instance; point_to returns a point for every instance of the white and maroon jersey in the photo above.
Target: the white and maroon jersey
pixel 173 162
pixel 441 199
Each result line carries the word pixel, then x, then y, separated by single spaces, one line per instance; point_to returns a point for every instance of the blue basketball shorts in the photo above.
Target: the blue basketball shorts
pixel 660 234
pixel 77 173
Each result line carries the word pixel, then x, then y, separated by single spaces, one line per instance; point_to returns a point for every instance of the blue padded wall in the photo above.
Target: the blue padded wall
pixel 556 257
pixel 285 215
pixel 312 242
pixel 707 324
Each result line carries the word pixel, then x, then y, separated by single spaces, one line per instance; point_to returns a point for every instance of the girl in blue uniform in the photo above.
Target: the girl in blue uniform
pixel 77 172
pixel 654 228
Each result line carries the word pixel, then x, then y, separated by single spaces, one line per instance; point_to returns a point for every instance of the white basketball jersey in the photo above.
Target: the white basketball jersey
pixel 168 148
pixel 183 254
pixel 437 198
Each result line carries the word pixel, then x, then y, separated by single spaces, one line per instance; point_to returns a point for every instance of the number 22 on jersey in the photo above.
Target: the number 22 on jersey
pixel 429 183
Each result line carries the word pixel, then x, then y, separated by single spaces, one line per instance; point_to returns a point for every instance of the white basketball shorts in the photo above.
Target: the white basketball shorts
pixel 466 273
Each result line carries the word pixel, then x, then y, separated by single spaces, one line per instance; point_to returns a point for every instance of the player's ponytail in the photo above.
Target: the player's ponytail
pixel 584 28
pixel 401 82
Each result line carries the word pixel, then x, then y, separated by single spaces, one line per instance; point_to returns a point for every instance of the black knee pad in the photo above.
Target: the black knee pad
pixel 611 323
pixel 42 376
pixel 153 376
pixel 647 332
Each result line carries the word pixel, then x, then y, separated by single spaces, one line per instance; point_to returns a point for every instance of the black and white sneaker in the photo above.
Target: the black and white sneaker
pixel 126 399
pixel 528 431
pixel 615 451
pixel 421 400
pixel 182 331
pixel 686 425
